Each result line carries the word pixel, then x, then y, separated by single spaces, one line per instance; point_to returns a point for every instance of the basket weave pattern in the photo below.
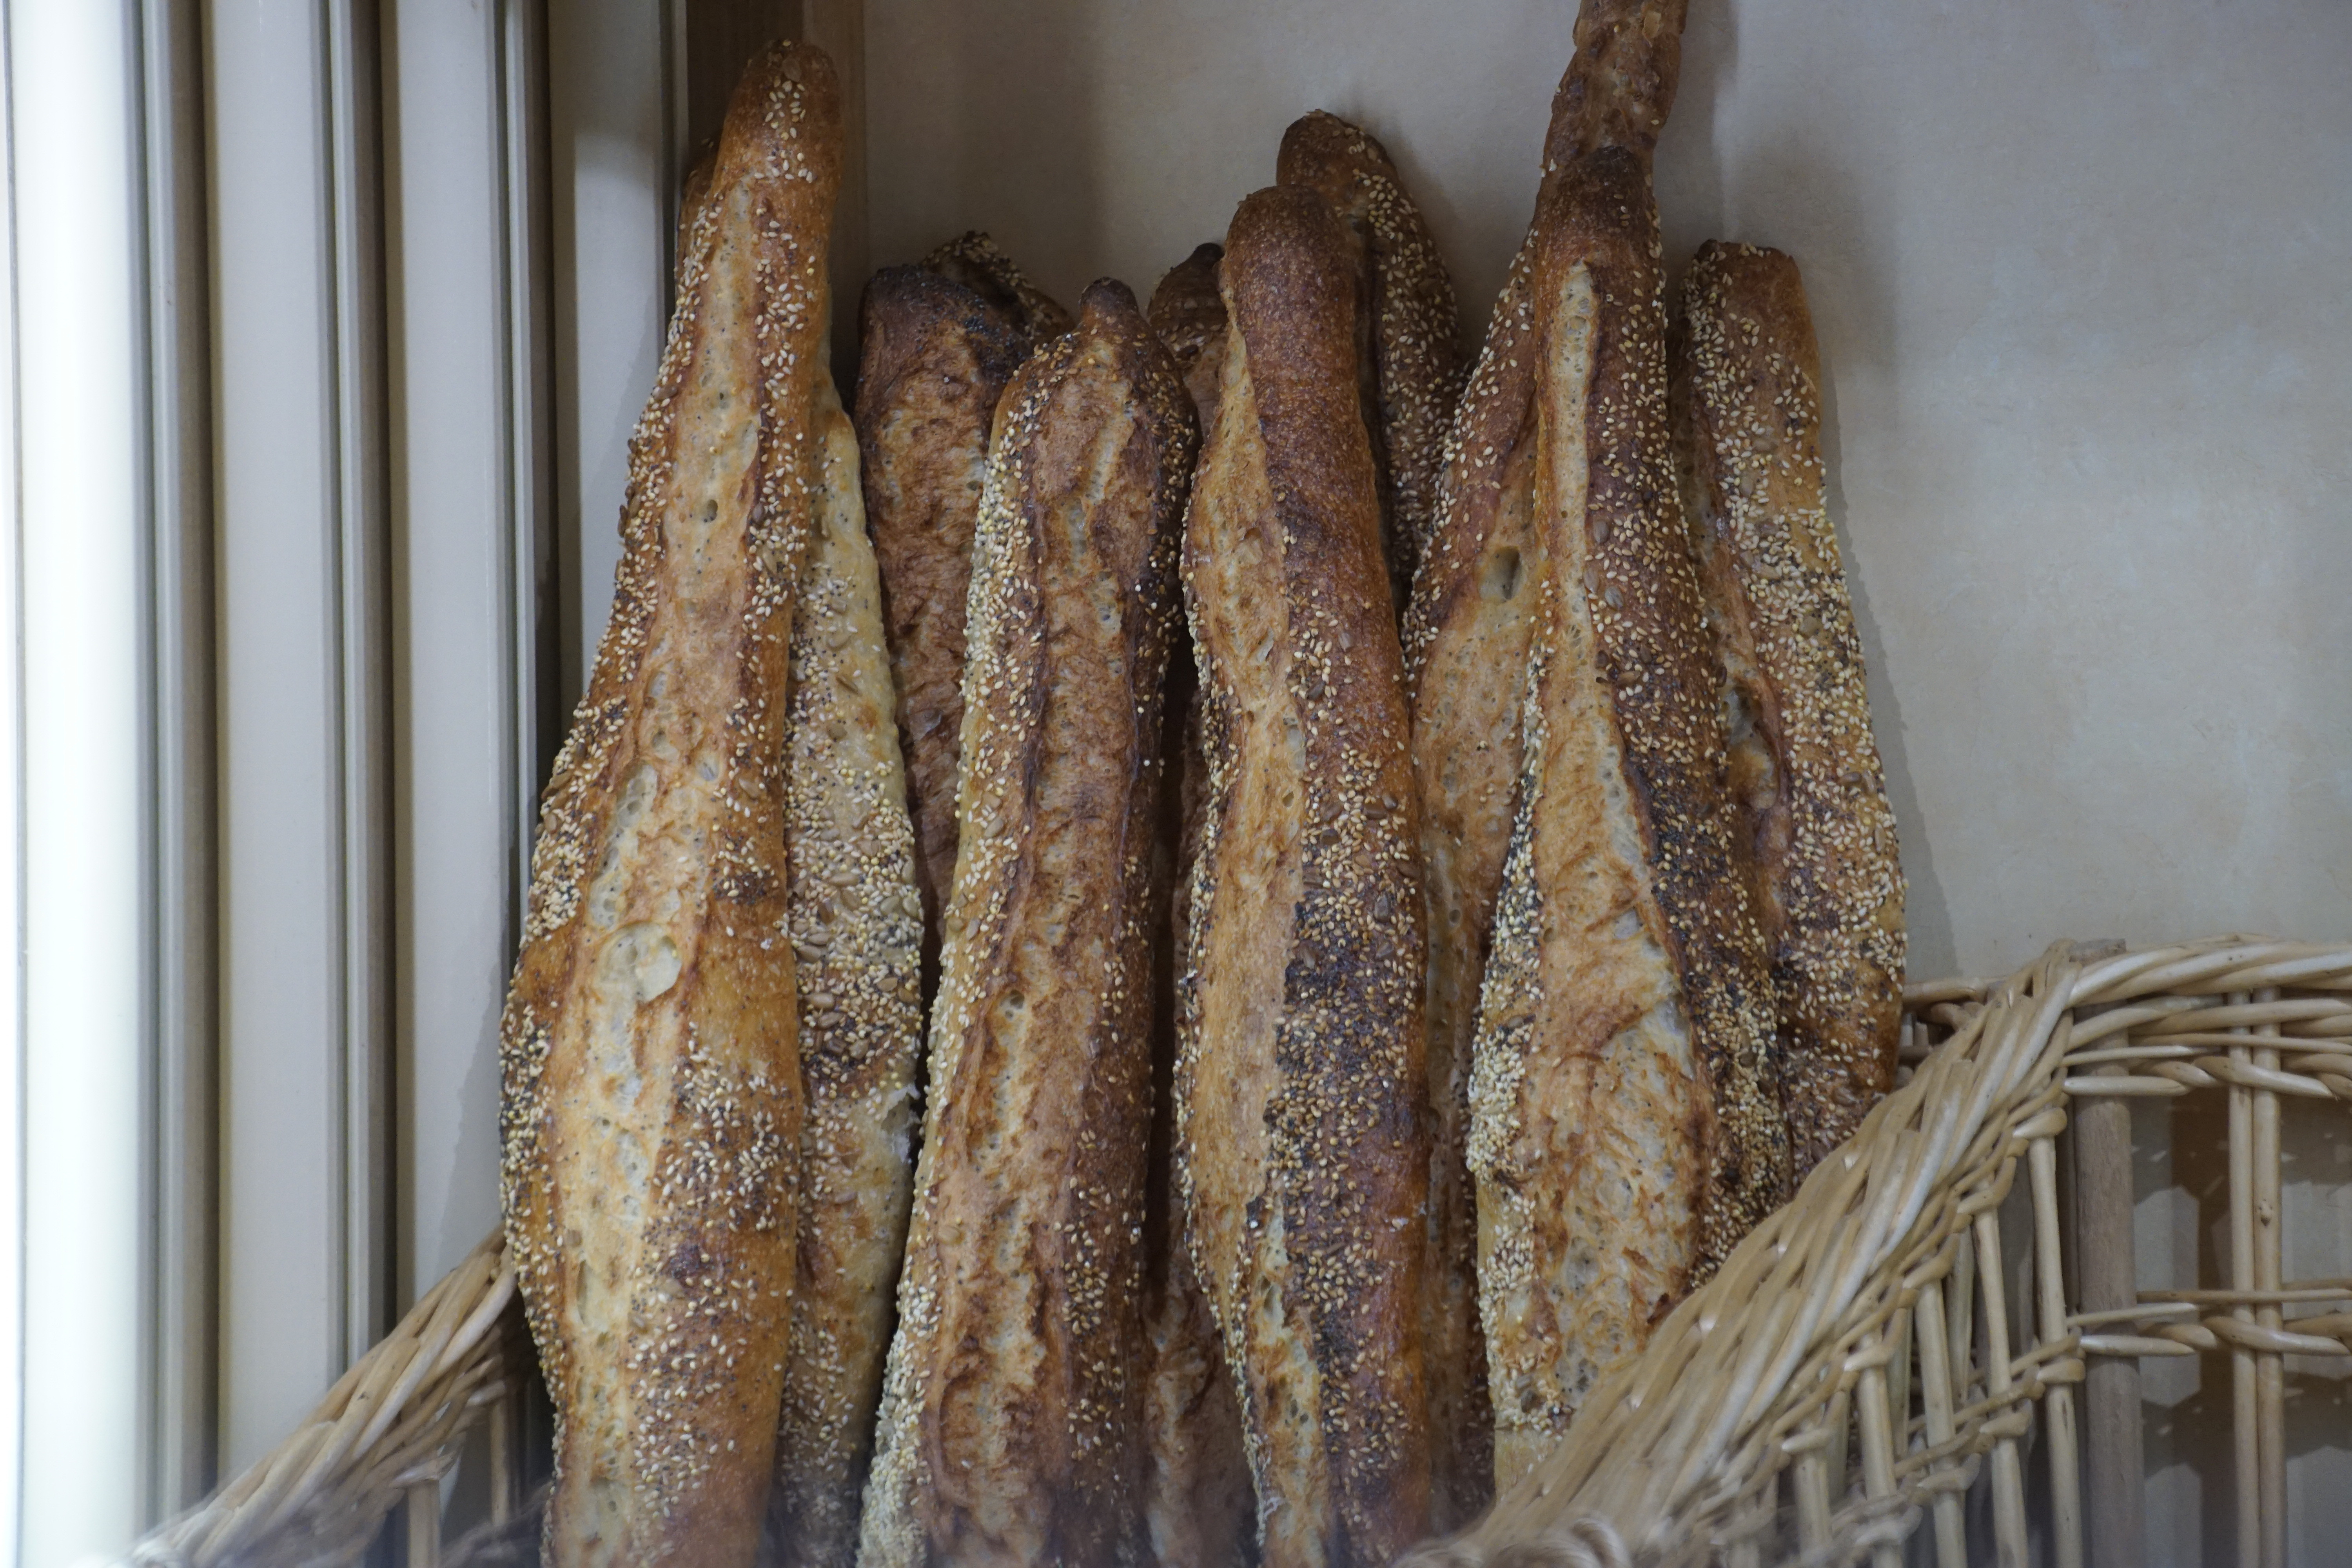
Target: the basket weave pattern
pixel 390 1429
pixel 1878 1355
pixel 1891 1351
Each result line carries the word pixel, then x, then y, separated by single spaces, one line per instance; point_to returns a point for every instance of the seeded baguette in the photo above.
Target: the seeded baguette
pixel 1199 1506
pixel 939 343
pixel 856 928
pixel 1302 1132
pixel 1627 1122
pixel 1189 314
pixel 1804 767
pixel 1466 638
pixel 973 261
pixel 1409 360
pixel 651 1114
pixel 1012 1426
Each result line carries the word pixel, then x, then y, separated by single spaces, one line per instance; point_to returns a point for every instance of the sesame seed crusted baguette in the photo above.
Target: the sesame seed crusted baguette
pixel 1011 1419
pixel 1804 767
pixel 973 260
pixel 1200 1507
pixel 938 347
pixel 1412 372
pixel 1626 1123
pixel 1302 1131
pixel 856 928
pixel 1465 640
pixel 1189 314
pixel 651 1115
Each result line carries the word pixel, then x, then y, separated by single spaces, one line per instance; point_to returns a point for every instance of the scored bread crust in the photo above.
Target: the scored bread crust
pixel 651 1110
pixel 1466 637
pixel 1199 1506
pixel 1012 1421
pixel 1805 766
pixel 939 341
pixel 1302 1133
pixel 856 927
pixel 1627 1122
pixel 1410 358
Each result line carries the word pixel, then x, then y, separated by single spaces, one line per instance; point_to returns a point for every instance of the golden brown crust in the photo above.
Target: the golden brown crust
pixel 1466 636
pixel 1627 1127
pixel 1414 363
pixel 855 929
pixel 1302 1124
pixel 1200 1507
pixel 1012 1421
pixel 651 1117
pixel 1805 766
pixel 939 341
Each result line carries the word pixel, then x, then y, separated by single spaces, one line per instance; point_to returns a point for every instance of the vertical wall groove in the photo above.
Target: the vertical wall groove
pixel 178 488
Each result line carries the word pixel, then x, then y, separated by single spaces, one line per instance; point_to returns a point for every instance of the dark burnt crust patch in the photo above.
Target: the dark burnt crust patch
pixel 1656 653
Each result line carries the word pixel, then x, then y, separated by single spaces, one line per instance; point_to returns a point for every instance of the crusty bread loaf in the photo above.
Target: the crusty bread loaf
pixel 973 261
pixel 1804 767
pixel 651 1119
pixel 1302 1118
pixel 1189 314
pixel 938 341
pixel 855 929
pixel 1626 1123
pixel 1465 637
pixel 1199 1507
pixel 1409 356
pixel 1012 1419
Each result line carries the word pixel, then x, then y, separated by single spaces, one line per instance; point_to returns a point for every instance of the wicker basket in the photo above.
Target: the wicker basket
pixel 1921 1338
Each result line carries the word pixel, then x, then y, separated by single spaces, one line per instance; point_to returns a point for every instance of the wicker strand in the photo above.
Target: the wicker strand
pixel 388 1431
pixel 1876 1314
pixel 1872 1317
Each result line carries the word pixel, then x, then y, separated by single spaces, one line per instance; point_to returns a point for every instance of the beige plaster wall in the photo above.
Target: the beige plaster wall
pixel 2082 274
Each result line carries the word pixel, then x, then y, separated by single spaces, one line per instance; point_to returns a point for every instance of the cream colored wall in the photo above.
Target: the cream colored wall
pixel 2080 274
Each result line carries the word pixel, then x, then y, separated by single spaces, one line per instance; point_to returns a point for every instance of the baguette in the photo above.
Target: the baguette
pixel 1409 361
pixel 1189 314
pixel 1627 1122
pixel 649 1050
pixel 856 927
pixel 1199 1507
pixel 939 343
pixel 1804 768
pixel 1011 1421
pixel 1302 1136
pixel 973 262
pixel 1465 637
